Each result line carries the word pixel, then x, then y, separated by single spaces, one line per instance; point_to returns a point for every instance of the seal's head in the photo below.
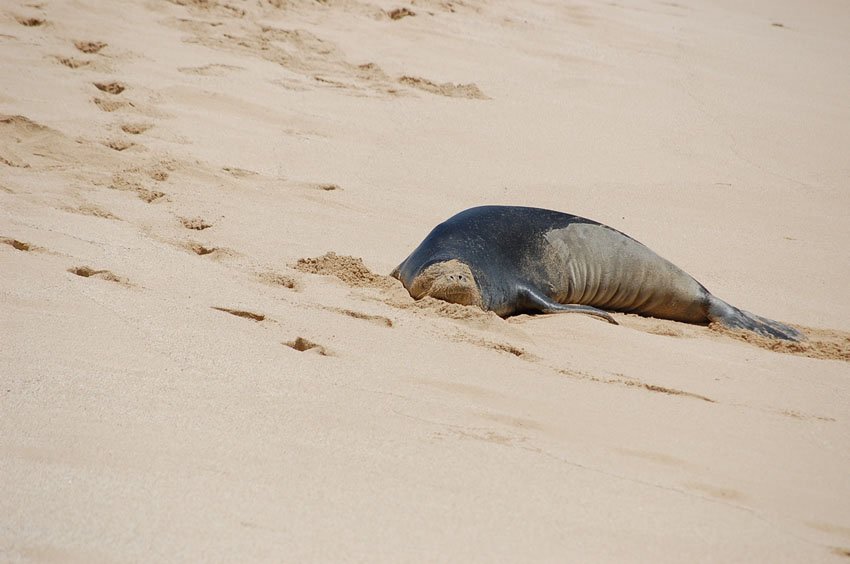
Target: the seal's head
pixel 450 281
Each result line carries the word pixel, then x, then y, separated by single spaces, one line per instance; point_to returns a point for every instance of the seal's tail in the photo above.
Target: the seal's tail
pixel 734 318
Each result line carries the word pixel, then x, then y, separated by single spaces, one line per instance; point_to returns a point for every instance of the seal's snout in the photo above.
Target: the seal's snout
pixel 450 281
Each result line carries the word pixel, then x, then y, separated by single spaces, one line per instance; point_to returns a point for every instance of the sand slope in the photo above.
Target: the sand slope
pixel 188 375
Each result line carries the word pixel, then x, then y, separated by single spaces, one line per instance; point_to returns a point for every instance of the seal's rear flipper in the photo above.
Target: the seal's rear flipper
pixel 734 318
pixel 536 301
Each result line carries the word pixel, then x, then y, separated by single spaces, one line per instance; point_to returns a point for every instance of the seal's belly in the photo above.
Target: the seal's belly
pixel 595 265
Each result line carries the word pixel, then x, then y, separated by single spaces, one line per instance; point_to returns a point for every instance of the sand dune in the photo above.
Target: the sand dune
pixel 202 356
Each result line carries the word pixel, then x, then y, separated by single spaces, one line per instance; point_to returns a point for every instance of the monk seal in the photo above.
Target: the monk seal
pixel 512 259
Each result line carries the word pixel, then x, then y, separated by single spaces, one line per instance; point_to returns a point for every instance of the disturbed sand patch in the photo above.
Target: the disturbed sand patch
pixel 102 274
pixel 241 313
pixel 16 244
pixel 825 344
pixel 277 279
pixel 350 270
pixel 89 47
pixel 301 344
pixel 449 89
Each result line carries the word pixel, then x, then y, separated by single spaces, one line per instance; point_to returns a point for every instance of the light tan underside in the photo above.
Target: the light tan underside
pixel 598 266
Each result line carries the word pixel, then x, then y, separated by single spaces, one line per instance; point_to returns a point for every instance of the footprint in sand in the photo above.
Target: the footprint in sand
pixel 277 279
pixel 325 187
pixel 31 22
pixel 216 253
pixel 194 223
pixel 119 144
pixel 376 319
pixel 150 196
pixel 88 272
pixel 18 245
pixel 72 62
pixel 111 105
pixel 303 345
pixel 122 182
pixel 135 128
pixel 241 313
pixel 400 13
pixel 89 47
pixel 238 172
pixel 110 87
pixel 92 210
pixel 201 250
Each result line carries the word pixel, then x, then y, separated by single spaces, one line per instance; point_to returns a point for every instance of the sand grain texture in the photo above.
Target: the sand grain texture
pixel 201 354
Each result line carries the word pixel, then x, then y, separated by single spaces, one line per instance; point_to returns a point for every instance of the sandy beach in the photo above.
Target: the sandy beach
pixel 203 358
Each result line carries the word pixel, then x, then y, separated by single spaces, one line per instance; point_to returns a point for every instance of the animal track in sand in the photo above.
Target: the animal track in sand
pixel 492 345
pixel 73 63
pixel 825 344
pixel 119 144
pixel 110 87
pixel 88 272
pixel 122 182
pixel 31 22
pixel 276 279
pixel 91 209
pixel 215 253
pixel 302 345
pixel 377 319
pixel 200 250
pixel 321 186
pixel 150 196
pixel 135 128
pixel 505 347
pixel 19 245
pixel 794 414
pixel 449 89
pixel 241 313
pixel 238 172
pixel 13 162
pixel 400 13
pixel 210 70
pixel 111 105
pixel 195 223
pixel 89 47
pixel 621 380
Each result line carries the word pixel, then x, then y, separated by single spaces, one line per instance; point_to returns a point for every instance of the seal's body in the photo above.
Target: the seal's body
pixel 510 260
